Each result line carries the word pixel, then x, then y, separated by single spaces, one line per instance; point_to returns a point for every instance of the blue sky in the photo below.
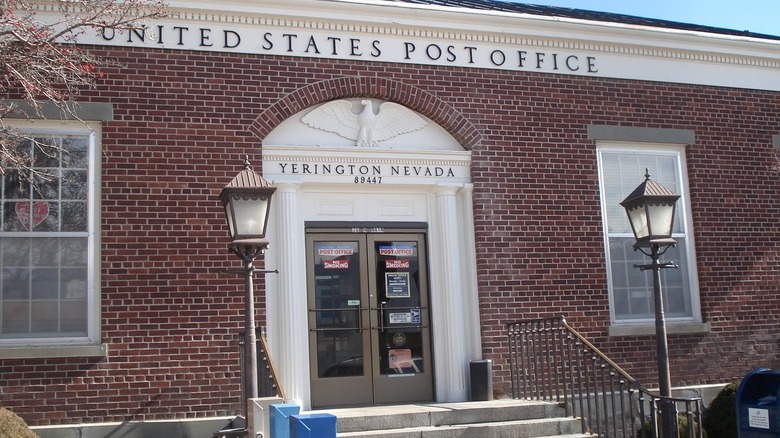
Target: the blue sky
pixel 760 16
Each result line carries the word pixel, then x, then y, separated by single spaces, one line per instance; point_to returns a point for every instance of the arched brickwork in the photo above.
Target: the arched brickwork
pixel 346 87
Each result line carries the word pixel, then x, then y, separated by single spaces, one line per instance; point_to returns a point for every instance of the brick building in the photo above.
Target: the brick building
pixel 486 191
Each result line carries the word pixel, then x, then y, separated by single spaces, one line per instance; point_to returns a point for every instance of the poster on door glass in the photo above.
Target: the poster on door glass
pixel 401 358
pixel 334 250
pixel 398 250
pixel 397 284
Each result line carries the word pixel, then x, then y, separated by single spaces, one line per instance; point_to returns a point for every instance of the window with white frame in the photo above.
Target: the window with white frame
pixel 621 170
pixel 48 242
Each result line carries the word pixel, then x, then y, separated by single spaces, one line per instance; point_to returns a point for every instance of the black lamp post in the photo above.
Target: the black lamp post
pixel 246 200
pixel 650 208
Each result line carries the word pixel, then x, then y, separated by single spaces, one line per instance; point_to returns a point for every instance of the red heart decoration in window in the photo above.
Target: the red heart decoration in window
pixel 40 209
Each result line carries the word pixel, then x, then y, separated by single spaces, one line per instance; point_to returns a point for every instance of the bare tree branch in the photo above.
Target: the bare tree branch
pixel 40 61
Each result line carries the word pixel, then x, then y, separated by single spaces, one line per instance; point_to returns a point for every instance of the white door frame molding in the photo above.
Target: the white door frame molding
pixel 417 186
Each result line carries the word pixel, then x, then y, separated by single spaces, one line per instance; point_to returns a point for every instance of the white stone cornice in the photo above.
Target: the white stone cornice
pixel 367 156
pixel 458 24
pixel 384 31
pixel 464 36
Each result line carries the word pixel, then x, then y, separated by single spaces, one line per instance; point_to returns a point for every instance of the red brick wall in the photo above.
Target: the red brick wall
pixel 183 119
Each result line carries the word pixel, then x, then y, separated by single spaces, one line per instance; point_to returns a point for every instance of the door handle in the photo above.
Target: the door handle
pixel 358 322
pixel 382 315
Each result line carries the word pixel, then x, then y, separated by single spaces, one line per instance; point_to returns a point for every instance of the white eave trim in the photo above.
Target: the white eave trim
pixel 518 25
pixel 624 51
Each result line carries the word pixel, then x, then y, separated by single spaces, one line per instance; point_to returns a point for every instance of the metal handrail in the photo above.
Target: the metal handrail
pixel 549 360
pixel 267 377
pixel 271 376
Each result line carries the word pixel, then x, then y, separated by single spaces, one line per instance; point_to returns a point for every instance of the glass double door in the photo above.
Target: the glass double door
pixel 369 325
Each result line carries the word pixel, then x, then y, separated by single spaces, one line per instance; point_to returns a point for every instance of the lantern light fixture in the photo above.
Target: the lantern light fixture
pixel 246 200
pixel 651 209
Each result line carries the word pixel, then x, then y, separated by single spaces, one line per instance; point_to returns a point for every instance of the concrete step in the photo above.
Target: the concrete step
pixel 546 427
pixel 439 414
pixel 491 419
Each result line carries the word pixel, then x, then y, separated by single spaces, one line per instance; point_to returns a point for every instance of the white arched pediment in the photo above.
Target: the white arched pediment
pixel 361 123
pixel 364 141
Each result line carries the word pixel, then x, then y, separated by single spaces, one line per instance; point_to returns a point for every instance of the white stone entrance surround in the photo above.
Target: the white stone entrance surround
pixel 398 182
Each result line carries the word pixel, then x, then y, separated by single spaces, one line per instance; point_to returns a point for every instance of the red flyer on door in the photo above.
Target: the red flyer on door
pixel 401 358
pixel 336 264
pixel 397 264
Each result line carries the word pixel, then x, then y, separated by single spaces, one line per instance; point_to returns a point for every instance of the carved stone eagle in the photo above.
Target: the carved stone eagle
pixel 366 128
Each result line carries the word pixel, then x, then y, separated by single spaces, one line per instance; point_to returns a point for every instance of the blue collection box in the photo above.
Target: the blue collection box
pixel 279 419
pixel 313 426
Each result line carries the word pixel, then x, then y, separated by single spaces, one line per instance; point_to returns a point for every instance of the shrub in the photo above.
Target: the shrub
pixel 720 420
pixel 646 431
pixel 12 426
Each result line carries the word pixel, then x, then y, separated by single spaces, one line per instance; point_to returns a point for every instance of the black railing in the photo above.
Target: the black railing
pixel 267 377
pixel 267 385
pixel 551 361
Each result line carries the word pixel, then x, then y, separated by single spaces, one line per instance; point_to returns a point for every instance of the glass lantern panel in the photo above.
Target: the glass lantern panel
pixel 660 216
pixel 250 215
pixel 638 217
pixel 229 216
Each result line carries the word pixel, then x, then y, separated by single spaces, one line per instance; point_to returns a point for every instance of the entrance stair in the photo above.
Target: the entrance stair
pixel 485 419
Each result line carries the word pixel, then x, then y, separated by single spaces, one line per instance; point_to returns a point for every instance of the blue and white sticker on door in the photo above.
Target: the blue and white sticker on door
pixel 410 317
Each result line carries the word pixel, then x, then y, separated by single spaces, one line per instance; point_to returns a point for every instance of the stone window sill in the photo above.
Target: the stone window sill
pixel 54 351
pixel 672 328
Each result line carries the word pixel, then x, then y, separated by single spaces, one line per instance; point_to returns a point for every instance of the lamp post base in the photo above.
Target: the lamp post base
pixel 248 250
pixel 666 407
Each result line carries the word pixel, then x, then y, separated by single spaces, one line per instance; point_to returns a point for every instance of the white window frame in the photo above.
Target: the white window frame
pixel 90 344
pixel 683 212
